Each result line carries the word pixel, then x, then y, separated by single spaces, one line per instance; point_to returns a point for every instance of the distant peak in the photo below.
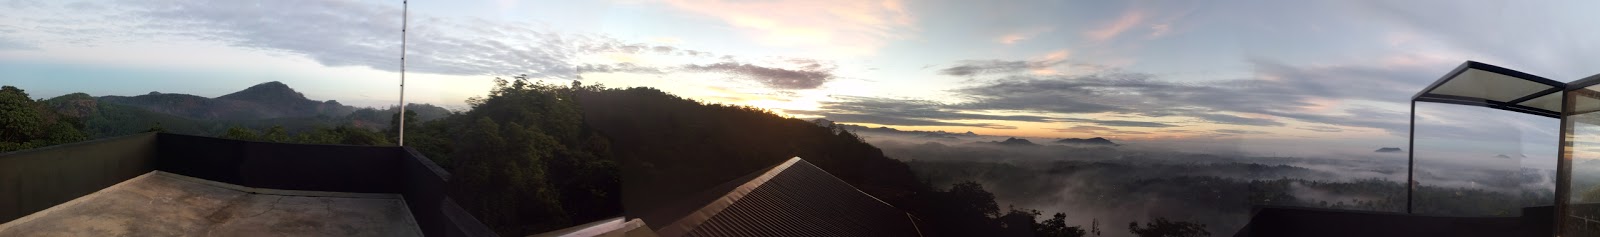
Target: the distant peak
pixel 1016 141
pixel 272 90
pixel 1088 141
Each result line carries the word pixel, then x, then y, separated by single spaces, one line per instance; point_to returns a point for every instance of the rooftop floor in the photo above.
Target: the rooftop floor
pixel 165 204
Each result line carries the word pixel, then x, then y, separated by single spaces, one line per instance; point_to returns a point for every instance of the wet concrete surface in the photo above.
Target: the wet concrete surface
pixel 162 204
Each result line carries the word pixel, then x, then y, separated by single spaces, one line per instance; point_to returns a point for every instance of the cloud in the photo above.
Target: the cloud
pixel 903 121
pixel 990 67
pixel 1278 92
pixel 1236 120
pixel 1014 37
pixel 908 108
pixel 1111 29
pixel 24 4
pixel 810 76
pixel 1158 30
pixel 1237 131
pixel 842 26
pixel 1503 39
pixel 983 67
pixel 1321 128
pixel 1085 128
pixel 354 33
pixel 1121 123
pixel 1098 130
pixel 13 44
pixel 618 68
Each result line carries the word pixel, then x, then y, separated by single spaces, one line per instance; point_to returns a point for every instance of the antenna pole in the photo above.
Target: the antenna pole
pixel 403 15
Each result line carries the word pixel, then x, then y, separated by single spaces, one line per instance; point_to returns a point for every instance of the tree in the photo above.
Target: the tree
pixel 1056 226
pixel 241 133
pixel 525 161
pixel 26 123
pixel 1161 227
pixel 275 134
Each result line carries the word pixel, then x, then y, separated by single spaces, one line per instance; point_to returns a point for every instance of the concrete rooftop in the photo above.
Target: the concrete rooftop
pixel 165 204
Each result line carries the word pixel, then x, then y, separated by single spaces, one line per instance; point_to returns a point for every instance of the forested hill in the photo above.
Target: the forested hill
pixel 670 147
pixel 258 107
pixel 263 101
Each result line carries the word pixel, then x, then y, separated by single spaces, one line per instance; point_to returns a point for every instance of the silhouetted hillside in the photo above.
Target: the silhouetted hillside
pixel 670 147
pixel 1013 142
pixel 1089 141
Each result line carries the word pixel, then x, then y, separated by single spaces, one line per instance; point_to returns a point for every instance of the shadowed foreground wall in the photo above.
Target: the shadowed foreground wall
pixel 37 179
pixel 1315 222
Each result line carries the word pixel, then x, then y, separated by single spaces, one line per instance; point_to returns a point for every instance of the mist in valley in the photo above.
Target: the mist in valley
pixel 1213 183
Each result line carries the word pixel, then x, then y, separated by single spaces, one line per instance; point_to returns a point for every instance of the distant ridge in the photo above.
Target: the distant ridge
pixel 1089 141
pixel 1388 149
pixel 1014 142
pixel 925 134
pixel 269 100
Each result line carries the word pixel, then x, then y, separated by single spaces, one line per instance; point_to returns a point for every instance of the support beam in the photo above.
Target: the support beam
pixel 1411 158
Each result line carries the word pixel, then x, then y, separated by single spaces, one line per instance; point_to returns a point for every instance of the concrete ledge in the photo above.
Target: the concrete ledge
pixel 165 204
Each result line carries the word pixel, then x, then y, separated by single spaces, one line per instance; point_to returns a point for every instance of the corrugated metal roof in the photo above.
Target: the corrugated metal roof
pixel 794 199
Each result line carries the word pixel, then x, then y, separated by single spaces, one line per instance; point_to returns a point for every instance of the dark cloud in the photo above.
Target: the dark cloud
pixel 915 109
pixel 808 77
pixel 903 121
pixel 618 67
pixel 1230 119
pixel 1320 128
pixel 663 49
pixel 981 67
pixel 1097 130
pixel 1084 128
pixel 1237 131
pixel 1120 123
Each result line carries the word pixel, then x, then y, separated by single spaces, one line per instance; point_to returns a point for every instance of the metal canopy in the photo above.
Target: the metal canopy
pixel 1480 84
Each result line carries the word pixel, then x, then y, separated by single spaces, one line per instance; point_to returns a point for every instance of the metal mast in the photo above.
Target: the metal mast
pixel 403 15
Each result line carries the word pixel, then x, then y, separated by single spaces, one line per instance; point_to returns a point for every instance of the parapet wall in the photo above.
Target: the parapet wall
pixel 37 179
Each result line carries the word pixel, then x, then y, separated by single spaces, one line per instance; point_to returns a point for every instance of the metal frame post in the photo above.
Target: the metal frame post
pixel 404 13
pixel 1411 159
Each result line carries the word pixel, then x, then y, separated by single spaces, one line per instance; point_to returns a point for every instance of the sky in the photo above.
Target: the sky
pixel 1261 74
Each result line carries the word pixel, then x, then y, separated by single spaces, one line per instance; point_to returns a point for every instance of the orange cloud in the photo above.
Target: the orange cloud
pixel 1114 28
pixel 1013 38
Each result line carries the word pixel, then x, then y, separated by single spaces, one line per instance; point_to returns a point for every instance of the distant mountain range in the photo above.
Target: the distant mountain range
pixel 919 133
pixel 260 106
pixel 263 101
pixel 1388 149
